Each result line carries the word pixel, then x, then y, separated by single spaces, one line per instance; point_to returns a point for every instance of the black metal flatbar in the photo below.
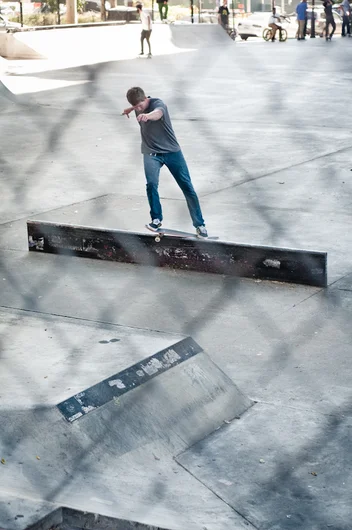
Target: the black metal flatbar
pixel 220 257
pixel 118 384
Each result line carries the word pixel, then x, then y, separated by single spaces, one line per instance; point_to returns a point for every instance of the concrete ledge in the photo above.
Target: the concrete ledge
pixel 128 379
pixel 14 47
pixel 91 521
pixel 82 25
pixel 60 518
pixel 23 513
pixel 219 257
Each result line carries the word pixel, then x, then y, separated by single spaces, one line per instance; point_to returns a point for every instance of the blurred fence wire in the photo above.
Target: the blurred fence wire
pixel 68 155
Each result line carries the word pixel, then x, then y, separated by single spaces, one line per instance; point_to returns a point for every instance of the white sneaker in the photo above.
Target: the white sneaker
pixel 201 231
pixel 154 225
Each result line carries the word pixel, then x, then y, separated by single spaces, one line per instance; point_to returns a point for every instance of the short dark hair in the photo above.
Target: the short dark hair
pixel 139 6
pixel 135 95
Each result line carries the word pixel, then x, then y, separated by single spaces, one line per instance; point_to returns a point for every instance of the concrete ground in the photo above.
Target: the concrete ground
pixel 266 130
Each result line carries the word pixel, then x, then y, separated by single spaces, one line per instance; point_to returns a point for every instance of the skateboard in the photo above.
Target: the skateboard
pixel 144 56
pixel 161 232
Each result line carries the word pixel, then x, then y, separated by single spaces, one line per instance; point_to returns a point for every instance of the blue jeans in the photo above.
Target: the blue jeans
pixel 177 166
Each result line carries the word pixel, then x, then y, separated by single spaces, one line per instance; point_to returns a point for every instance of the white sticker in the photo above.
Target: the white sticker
pixel 117 382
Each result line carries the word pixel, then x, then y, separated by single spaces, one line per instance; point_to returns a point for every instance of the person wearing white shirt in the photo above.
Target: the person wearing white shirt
pixel 274 24
pixel 146 29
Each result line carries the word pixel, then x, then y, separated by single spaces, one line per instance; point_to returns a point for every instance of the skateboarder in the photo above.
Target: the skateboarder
pixel 146 29
pixel 329 19
pixel 160 147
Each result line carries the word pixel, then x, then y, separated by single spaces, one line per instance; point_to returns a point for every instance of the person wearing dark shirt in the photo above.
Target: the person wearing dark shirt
pixel 329 19
pixel 224 15
pixel 160 147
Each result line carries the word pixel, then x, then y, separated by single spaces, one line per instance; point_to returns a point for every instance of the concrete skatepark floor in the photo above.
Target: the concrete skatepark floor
pixel 268 142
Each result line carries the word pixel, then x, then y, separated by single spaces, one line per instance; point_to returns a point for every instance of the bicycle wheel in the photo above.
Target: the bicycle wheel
pixel 267 34
pixel 283 36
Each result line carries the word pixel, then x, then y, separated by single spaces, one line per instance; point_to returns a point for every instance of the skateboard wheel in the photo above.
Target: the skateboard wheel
pixel 157 239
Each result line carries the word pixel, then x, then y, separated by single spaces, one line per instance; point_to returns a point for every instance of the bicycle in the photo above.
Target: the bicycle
pixel 267 34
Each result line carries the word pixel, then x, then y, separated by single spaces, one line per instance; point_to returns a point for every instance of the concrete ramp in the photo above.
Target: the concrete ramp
pixel 199 36
pixel 76 44
pixel 88 45
pixel 147 397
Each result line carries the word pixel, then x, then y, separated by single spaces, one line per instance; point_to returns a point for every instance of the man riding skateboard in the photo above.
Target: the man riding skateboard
pixel 160 147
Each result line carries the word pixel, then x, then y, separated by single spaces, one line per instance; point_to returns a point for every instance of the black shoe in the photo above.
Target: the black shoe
pixel 142 53
pixel 154 225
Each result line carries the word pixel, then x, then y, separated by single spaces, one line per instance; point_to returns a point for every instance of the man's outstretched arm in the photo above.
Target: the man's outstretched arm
pixel 126 112
pixel 155 115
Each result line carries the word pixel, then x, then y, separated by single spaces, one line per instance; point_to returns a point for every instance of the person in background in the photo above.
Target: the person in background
pixel 329 19
pixel 345 10
pixel 305 25
pixel 223 15
pixel 163 9
pixel 301 11
pixel 146 29
pixel 275 24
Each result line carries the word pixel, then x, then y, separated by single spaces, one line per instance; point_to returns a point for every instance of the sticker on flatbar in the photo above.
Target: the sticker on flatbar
pixel 94 397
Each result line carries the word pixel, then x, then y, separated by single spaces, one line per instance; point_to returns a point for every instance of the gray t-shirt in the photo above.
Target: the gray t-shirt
pixel 158 136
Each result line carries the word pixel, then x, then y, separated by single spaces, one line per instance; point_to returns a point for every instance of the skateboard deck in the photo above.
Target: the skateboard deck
pixel 161 232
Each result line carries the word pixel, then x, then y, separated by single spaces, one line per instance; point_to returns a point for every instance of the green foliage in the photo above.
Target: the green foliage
pixel 50 19
pixel 54 5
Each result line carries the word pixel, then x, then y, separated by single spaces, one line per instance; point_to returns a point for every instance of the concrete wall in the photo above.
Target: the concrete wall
pixel 13 47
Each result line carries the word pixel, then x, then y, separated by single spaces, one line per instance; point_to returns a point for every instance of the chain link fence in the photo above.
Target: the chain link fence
pixel 68 155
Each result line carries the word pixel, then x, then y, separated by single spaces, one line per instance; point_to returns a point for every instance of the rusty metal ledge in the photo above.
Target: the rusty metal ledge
pixel 219 257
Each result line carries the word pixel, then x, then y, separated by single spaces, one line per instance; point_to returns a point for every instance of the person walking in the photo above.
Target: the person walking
pixel 163 9
pixel 146 29
pixel 329 19
pixel 301 11
pixel 223 15
pixel 160 147
pixel 345 10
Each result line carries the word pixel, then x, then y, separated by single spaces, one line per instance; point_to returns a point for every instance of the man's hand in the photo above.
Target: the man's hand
pixel 143 117
pixel 126 112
